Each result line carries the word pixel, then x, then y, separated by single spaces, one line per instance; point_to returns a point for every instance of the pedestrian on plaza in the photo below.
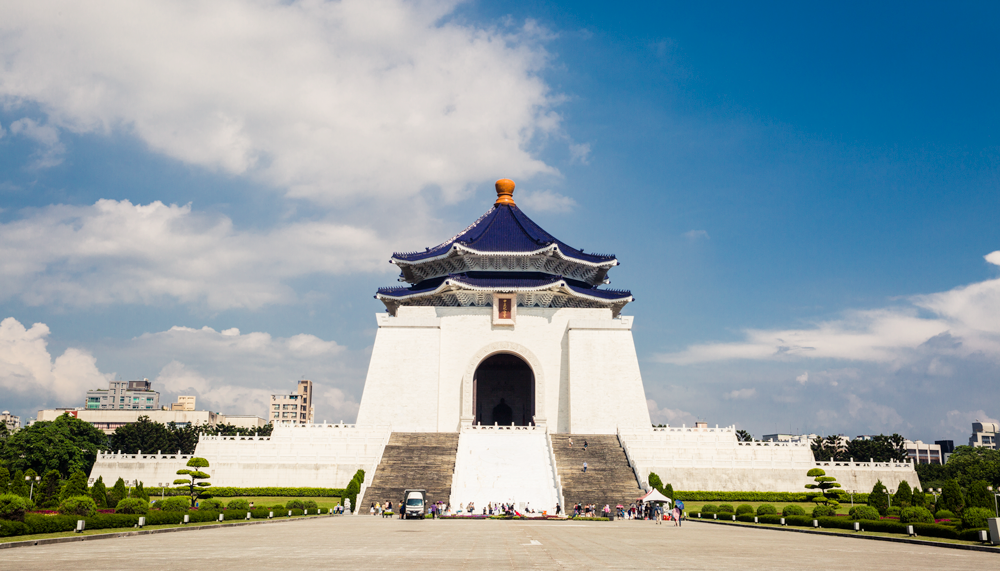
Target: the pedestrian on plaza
pixel 570 441
pixel 677 516
pixel 584 467
pixel 584 444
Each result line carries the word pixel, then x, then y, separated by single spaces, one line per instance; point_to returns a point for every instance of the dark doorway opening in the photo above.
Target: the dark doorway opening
pixel 504 391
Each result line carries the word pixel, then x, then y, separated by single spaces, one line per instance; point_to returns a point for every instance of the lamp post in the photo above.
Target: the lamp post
pixel 891 492
pixel 162 486
pixel 852 497
pixel 996 507
pixel 32 492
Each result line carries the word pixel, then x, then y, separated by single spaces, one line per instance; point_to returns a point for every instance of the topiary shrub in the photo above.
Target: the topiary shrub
pixel 278 507
pixel 709 509
pixel 879 498
pixel 210 504
pixel 973 518
pixel 132 506
pixel 791 510
pixel 175 504
pixel 894 510
pixel 310 505
pixel 944 514
pixel 13 506
pixel 726 508
pixel 744 509
pixel 916 515
pixel 78 505
pixel 766 509
pixel 823 511
pixel 864 512
pixel 294 505
pixel 238 504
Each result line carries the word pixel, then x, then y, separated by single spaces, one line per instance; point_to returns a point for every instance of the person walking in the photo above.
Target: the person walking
pixel 584 444
pixel 570 441
pixel 584 467
pixel 677 516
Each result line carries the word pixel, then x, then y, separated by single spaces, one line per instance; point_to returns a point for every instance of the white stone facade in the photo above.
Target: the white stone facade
pixel 584 363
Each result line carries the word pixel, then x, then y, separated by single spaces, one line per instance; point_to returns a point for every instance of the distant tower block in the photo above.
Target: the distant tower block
pixel 504 324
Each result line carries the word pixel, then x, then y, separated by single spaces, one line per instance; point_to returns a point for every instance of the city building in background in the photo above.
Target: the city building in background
pixel 923 453
pixel 296 408
pixel 984 435
pixel 797 438
pixel 243 421
pixel 947 447
pixel 124 395
pixel 12 422
pixel 183 403
pixel 109 420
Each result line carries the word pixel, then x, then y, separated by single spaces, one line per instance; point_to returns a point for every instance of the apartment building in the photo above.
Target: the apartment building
pixel 984 435
pixel 296 408
pixel 183 403
pixel 12 422
pixel 124 395
pixel 922 453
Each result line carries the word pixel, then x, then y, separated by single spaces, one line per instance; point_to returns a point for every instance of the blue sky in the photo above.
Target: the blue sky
pixel 804 199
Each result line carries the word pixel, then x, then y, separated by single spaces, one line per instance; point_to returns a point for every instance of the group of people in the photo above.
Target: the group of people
pixel 382 509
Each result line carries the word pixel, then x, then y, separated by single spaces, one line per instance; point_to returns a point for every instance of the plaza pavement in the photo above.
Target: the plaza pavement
pixel 364 542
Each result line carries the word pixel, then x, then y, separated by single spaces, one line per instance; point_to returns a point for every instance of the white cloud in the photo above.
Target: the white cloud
pixel 803 378
pixel 696 235
pixel 957 422
pixel 740 394
pixel 117 252
pixel 671 416
pixel 545 201
pixel 579 153
pixel 325 100
pixel 30 376
pixel 46 136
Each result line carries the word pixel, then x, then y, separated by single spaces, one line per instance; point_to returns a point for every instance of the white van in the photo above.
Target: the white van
pixel 415 502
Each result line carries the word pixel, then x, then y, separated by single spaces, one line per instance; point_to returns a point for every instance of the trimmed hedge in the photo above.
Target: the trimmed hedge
pixel 78 506
pixel 132 506
pixel 917 515
pixel 864 512
pixel 238 504
pixel 13 507
pixel 882 526
pixel 699 496
pixel 976 517
pixel 744 509
pixel 793 511
pixel 766 509
pixel 227 492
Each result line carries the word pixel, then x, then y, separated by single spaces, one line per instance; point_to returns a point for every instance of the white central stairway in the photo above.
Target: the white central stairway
pixel 510 464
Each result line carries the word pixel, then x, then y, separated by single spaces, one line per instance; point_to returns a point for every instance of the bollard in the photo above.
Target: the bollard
pixel 270 515
pixel 782 521
pixel 289 513
pixel 305 512
pixel 857 526
pixel 734 518
pixel 755 519
pixel 221 518
pixel 80 525
pixel 187 518
pixel 815 523
pixel 699 515
pixel 909 530
pixel 248 515
pixel 983 536
pixel 715 516
pixel 142 521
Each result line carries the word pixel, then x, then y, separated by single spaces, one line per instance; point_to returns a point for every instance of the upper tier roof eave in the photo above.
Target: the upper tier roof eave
pixel 460 249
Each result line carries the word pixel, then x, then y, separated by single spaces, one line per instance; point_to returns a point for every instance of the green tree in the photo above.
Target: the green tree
pixel 669 492
pixel 968 465
pixel 951 497
pixel 977 496
pixel 879 448
pixel 47 495
pixel 117 493
pixel 879 498
pixel 66 445
pixel 5 483
pixel 99 493
pixel 826 485
pixel 919 498
pixel 195 488
pixel 140 492
pixel 903 498
pixel 655 482
pixel 352 490
pixel 744 436
pixel 17 484
pixel 76 485
pixel 144 434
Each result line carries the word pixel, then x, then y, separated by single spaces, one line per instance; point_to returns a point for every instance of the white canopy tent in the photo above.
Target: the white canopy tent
pixel 654 495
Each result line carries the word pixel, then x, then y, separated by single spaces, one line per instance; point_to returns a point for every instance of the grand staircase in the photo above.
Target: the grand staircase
pixel 609 478
pixel 413 460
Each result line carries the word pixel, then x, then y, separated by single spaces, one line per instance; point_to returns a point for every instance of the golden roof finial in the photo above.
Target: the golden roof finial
pixel 505 191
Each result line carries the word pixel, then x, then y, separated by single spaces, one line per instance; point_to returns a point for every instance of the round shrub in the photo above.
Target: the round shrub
pixel 709 509
pixel 864 512
pixel 210 504
pixel 916 515
pixel 238 504
pixel 13 506
pixel 78 505
pixel 823 511
pixel 944 514
pixel 744 509
pixel 175 504
pixel 278 507
pixel 726 508
pixel 310 505
pixel 766 509
pixel 294 505
pixel 790 510
pixel 894 510
pixel 973 518
pixel 132 506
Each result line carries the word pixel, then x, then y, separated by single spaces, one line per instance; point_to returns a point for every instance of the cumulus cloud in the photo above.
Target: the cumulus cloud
pixel 31 379
pixel 740 394
pixel 672 416
pixel 119 252
pixel 51 149
pixel 958 322
pixel 580 153
pixel 957 422
pixel 545 201
pixel 324 100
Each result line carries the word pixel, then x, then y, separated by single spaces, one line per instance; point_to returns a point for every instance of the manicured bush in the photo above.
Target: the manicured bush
pixel 823 511
pixel 894 510
pixel 944 514
pixel 864 512
pixel 175 504
pixel 278 507
pixel 916 515
pixel 117 493
pixel 132 506
pixel 210 504
pixel 879 498
pixel 50 523
pixel 79 506
pixel 13 507
pixel 978 496
pixel 310 505
pixel 76 485
pixel 726 508
pixel 709 509
pixel 294 504
pixel 792 510
pixel 973 518
pixel 903 496
pixel 10 528
pixel 766 509
pixel 238 504
pixel 951 497
pixel 100 493
pixel 744 509
pixel 706 496
pixel 230 492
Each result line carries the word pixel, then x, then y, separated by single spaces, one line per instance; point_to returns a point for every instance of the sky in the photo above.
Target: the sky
pixel 804 198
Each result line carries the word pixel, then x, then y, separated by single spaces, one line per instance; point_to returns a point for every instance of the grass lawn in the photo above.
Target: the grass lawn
pixel 268 501
pixel 693 507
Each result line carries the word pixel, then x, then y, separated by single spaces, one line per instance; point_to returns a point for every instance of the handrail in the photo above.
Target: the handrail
pixel 555 470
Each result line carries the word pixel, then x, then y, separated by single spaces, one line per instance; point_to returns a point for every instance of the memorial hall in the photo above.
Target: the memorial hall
pixel 501 365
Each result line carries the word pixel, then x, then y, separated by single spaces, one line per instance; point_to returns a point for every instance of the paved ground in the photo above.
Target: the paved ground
pixel 375 543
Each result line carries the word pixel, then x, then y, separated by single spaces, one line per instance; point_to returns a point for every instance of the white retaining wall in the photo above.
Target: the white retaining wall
pixel 712 459
pixel 313 456
pixel 504 464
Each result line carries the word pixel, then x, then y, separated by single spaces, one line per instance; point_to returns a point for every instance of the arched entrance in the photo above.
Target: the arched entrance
pixel 504 391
